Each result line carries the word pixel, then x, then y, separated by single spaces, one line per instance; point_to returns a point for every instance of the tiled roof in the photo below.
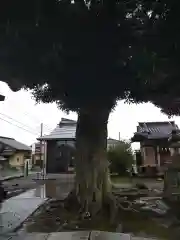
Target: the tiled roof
pixel 67 122
pixel 66 129
pixel 156 130
pixel 11 142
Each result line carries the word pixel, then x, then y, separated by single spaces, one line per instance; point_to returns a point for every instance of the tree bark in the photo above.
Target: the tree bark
pixel 92 172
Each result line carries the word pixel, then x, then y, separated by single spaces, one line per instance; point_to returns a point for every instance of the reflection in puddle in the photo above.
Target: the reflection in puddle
pixel 52 190
pixel 15 210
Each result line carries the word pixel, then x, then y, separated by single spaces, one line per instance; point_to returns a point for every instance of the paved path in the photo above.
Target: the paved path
pixel 6 178
pixel 15 210
pixel 85 235
pixel 13 175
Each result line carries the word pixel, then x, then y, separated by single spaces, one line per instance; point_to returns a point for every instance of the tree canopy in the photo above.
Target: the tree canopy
pixel 83 54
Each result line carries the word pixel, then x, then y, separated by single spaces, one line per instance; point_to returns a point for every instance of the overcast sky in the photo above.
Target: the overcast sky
pixel 20 109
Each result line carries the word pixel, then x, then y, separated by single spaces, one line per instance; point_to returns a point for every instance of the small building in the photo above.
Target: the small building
pixel 112 142
pixel 60 146
pixel 38 153
pixel 157 144
pixel 13 153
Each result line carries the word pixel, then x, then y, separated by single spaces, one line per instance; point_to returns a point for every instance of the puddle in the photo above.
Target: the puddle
pixel 15 210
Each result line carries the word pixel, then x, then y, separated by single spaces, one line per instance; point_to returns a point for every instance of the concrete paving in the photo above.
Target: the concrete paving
pixel 79 235
pixel 6 178
pixel 97 235
pixel 69 235
pixel 15 210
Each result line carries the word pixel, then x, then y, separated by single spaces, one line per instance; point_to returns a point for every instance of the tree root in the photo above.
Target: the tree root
pixel 110 207
pixel 71 203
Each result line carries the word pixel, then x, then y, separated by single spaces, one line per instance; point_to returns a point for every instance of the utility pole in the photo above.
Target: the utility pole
pixel 41 160
pixel 119 136
pixel 2 98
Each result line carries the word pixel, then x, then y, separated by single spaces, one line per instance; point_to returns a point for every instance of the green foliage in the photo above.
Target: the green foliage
pixel 120 157
pixel 87 54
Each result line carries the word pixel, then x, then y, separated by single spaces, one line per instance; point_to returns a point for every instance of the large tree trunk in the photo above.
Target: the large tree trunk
pixel 93 186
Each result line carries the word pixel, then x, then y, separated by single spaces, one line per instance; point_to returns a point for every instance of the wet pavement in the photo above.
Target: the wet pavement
pixel 17 186
pixel 15 210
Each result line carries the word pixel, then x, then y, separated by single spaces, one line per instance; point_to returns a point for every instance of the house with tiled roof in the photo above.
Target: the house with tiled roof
pixel 13 153
pixel 60 146
pixel 158 141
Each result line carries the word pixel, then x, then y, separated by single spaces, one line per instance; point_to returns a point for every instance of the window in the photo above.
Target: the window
pixel 17 159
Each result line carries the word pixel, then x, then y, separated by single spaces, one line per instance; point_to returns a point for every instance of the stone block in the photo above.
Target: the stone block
pixel 98 235
pixel 142 238
pixel 79 235
pixel 31 236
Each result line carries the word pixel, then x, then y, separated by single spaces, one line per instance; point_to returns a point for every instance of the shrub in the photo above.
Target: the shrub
pixel 120 158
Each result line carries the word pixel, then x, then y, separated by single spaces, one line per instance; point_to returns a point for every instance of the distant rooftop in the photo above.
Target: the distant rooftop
pixel 66 129
pixel 156 130
pixel 11 142
pixel 67 122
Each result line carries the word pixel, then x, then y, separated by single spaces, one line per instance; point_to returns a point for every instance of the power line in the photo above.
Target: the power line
pixel 37 120
pixel 33 133
pixel 17 121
